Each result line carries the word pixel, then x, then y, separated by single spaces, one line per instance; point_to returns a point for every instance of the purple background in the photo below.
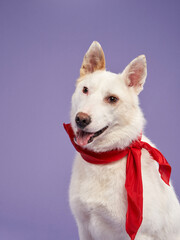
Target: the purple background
pixel 42 44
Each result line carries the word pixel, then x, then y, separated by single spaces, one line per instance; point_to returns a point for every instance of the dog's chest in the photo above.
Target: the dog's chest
pixel 98 189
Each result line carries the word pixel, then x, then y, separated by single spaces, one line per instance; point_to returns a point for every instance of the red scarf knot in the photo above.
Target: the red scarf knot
pixel 133 183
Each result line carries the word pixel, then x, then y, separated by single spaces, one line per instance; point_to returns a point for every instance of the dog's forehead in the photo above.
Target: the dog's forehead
pixel 104 80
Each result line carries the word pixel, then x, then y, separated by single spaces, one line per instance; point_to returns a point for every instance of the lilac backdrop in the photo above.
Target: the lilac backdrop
pixel 42 43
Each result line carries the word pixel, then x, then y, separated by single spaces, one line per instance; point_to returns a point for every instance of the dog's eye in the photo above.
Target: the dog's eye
pixel 85 90
pixel 111 99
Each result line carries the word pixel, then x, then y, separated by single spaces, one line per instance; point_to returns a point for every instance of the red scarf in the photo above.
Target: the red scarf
pixel 133 182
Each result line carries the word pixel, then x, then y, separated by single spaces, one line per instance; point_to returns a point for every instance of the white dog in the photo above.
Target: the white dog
pixel 106 116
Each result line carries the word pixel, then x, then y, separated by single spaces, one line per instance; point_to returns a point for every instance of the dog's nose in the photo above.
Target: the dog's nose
pixel 82 120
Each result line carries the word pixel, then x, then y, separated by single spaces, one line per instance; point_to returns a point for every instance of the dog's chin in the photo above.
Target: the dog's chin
pixel 84 138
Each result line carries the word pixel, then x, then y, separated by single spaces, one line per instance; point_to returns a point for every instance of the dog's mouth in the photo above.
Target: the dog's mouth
pixel 83 138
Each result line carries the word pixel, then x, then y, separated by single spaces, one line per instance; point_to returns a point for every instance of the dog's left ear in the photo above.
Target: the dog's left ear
pixel 135 73
pixel 94 59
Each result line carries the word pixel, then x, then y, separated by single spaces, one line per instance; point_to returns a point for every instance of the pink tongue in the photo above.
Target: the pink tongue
pixel 82 138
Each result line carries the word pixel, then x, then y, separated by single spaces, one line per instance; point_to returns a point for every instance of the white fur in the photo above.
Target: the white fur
pixel 98 197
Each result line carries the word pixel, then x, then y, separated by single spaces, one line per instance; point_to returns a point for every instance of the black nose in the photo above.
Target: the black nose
pixel 82 120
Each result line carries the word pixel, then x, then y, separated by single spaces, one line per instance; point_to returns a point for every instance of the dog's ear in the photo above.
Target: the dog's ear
pixel 135 73
pixel 93 60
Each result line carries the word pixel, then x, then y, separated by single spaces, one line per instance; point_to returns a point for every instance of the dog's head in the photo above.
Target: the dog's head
pixel 105 110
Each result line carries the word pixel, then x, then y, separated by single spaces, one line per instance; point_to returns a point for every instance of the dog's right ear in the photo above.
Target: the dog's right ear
pixel 94 59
